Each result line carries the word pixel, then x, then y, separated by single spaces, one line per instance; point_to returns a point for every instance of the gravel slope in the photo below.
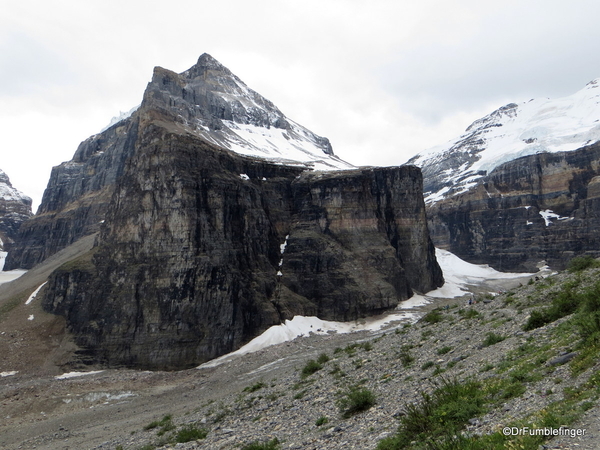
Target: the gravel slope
pixel 261 396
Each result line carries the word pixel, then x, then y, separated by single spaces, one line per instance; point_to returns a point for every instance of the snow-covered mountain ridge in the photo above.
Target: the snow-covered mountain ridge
pixel 510 132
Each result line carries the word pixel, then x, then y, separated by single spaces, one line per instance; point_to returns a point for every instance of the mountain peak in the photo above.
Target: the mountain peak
pixel 209 101
pixel 208 61
pixel 205 64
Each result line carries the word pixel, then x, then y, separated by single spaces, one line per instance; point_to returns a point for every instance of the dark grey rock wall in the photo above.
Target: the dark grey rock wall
pixel 501 223
pixel 187 266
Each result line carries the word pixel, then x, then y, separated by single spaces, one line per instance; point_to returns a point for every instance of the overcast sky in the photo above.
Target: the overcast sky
pixel 382 79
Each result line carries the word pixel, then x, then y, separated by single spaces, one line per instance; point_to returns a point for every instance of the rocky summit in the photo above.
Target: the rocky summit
pixel 208 102
pixel 213 224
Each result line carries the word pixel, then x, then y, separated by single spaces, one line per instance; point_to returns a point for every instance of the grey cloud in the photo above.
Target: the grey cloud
pixel 511 58
pixel 27 66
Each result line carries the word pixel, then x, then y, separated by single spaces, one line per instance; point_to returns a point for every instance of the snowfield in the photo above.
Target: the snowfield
pixel 459 276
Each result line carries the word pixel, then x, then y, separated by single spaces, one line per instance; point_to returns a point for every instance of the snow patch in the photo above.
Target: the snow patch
pixel 459 274
pixel 303 326
pixel 107 396
pixel 548 215
pixel 514 131
pixel 34 294
pixel 9 193
pixel 9 374
pixel 243 176
pixel 66 376
pixel 282 248
pixel 30 317
pixel 284 245
pixel 122 116
pixel 7 277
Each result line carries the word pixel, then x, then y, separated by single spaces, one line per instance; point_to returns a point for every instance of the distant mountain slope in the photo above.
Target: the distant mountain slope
pixel 15 207
pixel 521 186
pixel 510 132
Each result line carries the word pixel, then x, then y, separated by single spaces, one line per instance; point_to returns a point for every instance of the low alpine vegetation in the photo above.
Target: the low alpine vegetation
pixel 273 444
pixel 492 339
pixel 189 433
pixel 311 367
pixel 355 400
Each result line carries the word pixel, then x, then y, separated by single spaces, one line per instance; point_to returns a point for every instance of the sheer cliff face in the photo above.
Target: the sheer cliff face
pixel 201 248
pixel 539 207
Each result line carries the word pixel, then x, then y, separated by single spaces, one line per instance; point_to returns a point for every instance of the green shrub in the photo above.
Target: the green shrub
pixel 438 370
pixel 337 371
pixel 147 447
pixel 440 415
pixel 567 301
pixel 257 445
pixel 427 365
pixel 492 339
pixel 588 318
pixel 300 394
pixel 323 358
pixel 311 367
pixel 538 318
pixel 321 421
pixel 434 316
pixel 469 313
pixel 443 350
pixel 255 387
pixel 355 400
pixel 165 424
pixel 581 263
pixel 406 358
pixel 512 390
pixel 190 433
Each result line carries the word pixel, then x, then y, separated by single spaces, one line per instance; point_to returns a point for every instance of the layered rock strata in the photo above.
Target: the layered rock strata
pixel 75 200
pixel 202 250
pixel 202 245
pixel 543 207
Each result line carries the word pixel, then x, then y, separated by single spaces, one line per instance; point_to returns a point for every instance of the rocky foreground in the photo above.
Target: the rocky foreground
pixel 278 398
